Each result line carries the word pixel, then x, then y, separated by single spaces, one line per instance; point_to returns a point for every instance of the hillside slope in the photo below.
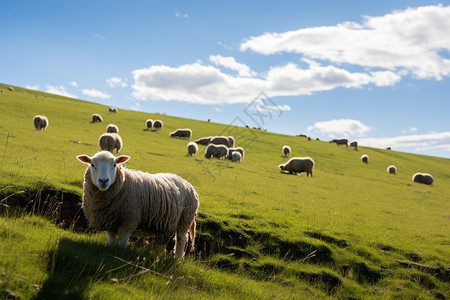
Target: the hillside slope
pixel 340 233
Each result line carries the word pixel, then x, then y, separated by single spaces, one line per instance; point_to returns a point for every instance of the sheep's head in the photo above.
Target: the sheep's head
pixel 103 167
pixel 282 167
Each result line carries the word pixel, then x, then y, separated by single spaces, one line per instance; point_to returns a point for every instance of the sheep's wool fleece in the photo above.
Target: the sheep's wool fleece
pixel 152 203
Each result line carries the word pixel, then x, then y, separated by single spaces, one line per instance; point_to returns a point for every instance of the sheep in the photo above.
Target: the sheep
pixel 2 91
pixel 237 149
pixel 220 140
pixel 158 124
pixel 192 148
pixel 388 148
pixel 340 142
pixel 354 144
pixel 182 133
pixel 11 89
pixel 122 202
pixel 424 178
pixel 231 141
pixel 219 151
pixel 204 140
pixel 236 156
pixel 149 124
pixel 96 118
pixel 112 110
pixel 286 150
pixel 40 122
pixel 391 169
pixel 365 158
pixel 111 128
pixel 110 141
pixel 298 165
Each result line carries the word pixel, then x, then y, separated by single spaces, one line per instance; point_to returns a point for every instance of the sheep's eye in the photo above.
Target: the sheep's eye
pixel 114 165
pixel 92 165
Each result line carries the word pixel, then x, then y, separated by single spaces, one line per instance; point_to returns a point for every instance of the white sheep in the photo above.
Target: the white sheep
pixel 231 141
pixel 204 140
pixel 423 178
pixel 236 156
pixel 112 110
pixel 192 148
pixel 220 140
pixel 365 158
pixel 122 202
pixel 110 141
pixel 354 144
pixel 298 165
pixel 219 151
pixel 181 133
pixel 158 124
pixel 40 122
pixel 238 149
pixel 149 124
pixel 111 128
pixel 340 142
pixel 286 150
pixel 391 169
pixel 96 118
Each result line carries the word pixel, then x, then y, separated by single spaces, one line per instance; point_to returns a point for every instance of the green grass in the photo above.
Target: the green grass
pixel 261 233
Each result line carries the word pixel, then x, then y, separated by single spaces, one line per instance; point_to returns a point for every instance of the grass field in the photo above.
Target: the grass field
pixel 350 232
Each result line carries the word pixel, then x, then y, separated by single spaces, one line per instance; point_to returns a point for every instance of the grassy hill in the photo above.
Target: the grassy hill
pixel 352 231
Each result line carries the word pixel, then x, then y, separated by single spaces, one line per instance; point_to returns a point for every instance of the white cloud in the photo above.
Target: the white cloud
pixel 411 129
pixel 198 83
pixel 231 63
pixel 74 84
pixel 32 87
pixel 218 109
pixel 181 15
pixel 116 81
pixel 342 127
pixel 95 94
pixel 137 106
pixel 408 41
pixel 59 90
pixel 418 142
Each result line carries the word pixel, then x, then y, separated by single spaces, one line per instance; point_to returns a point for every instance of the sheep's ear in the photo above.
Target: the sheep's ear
pixel 84 159
pixel 122 159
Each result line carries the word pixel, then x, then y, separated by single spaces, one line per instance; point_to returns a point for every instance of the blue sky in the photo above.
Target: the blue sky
pixel 373 71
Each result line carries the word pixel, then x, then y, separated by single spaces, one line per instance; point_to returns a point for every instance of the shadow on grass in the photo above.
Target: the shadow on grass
pixel 74 265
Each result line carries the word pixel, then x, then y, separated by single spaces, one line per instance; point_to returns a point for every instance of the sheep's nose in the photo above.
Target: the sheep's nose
pixel 103 180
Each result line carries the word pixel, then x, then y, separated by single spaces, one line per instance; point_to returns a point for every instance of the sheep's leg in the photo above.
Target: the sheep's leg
pixel 122 238
pixel 112 236
pixel 180 243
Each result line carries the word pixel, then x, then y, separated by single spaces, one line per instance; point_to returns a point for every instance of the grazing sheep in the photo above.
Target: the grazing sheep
pixel 220 140
pixel 391 169
pixel 110 141
pixel 158 124
pixel 365 158
pixel 96 118
pixel 231 141
pixel 302 135
pixel 149 124
pixel 298 165
pixel 182 133
pixel 111 128
pixel 204 140
pixel 219 151
pixel 424 178
pixel 309 139
pixel 354 144
pixel 2 91
pixel 388 148
pixel 122 202
pixel 40 122
pixel 236 156
pixel 24 92
pixel 317 139
pixel 237 149
pixel 192 148
pixel 11 89
pixel 340 142
pixel 286 150
pixel 112 110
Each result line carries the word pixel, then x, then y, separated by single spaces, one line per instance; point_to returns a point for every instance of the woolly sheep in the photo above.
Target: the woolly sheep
pixel 158 124
pixel 110 141
pixel 298 165
pixel 236 156
pixel 111 128
pixel 286 150
pixel 2 91
pixel 192 148
pixel 122 202
pixel 149 124
pixel 365 158
pixel 11 89
pixel 354 144
pixel 231 141
pixel 40 122
pixel 112 110
pixel 96 118
pixel 220 140
pixel 391 169
pixel 204 140
pixel 182 133
pixel 236 149
pixel 219 151
pixel 424 178
pixel 340 142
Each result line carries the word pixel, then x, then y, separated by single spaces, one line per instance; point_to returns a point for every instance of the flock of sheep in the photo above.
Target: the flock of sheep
pixel 125 202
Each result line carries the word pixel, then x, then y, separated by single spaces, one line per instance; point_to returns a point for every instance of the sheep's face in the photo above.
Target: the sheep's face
pixel 103 166
pixel 282 167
